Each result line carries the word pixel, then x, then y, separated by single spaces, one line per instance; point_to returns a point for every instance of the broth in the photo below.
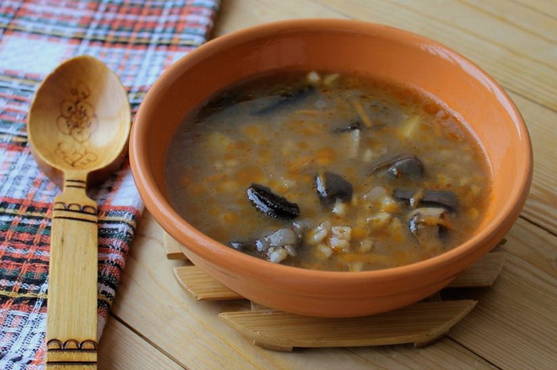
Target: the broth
pixel 326 171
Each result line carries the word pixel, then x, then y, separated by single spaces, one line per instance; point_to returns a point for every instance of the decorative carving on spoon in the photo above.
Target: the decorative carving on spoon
pixel 77 120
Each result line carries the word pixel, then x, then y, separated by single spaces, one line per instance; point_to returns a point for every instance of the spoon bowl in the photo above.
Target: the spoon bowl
pixel 78 130
pixel 80 120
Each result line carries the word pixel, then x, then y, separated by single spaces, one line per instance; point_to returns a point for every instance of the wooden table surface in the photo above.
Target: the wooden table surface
pixel 156 325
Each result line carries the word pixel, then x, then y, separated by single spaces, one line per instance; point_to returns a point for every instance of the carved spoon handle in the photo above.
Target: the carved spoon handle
pixel 72 289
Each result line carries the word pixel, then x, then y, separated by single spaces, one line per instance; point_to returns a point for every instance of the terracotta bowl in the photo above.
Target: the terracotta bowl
pixel 343 46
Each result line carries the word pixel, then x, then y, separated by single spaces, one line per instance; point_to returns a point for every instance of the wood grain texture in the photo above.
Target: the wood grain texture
pixel 541 205
pixel 120 349
pixel 515 323
pixel 521 16
pixel 419 323
pixel 151 302
pixel 543 7
pixel 71 331
pixel 481 274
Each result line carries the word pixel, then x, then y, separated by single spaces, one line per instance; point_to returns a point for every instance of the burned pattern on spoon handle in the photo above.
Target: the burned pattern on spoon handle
pixel 71 352
pixel 75 210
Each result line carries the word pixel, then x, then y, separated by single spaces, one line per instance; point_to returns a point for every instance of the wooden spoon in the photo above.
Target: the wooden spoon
pixel 78 129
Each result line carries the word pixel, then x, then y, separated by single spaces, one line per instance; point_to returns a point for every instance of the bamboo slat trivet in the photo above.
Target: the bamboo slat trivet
pixel 421 323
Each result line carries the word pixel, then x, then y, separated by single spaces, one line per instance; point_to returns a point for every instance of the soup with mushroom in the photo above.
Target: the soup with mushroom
pixel 326 171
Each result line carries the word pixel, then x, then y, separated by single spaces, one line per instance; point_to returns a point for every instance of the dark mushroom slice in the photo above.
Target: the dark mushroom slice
pixel 408 166
pixel 443 198
pixel 429 198
pixel 223 101
pixel 352 126
pixel 271 204
pixel 242 246
pixel 429 226
pixel 385 162
pixel 285 99
pixel 403 195
pixel 246 246
pixel 330 187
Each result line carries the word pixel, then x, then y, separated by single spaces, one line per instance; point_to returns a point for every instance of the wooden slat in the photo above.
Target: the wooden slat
pixel 202 286
pixel 481 274
pixel 122 349
pixel 150 301
pixel 418 323
pixel 172 248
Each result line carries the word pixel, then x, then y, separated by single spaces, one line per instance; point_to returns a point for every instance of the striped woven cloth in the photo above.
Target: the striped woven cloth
pixel 137 39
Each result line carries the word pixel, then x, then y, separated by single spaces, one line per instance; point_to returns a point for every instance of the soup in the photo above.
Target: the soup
pixel 327 171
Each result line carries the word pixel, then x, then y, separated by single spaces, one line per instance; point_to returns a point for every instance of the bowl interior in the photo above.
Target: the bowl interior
pixel 347 47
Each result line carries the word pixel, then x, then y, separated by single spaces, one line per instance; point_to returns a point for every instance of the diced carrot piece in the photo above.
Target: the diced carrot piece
pixel 229 155
pixel 239 146
pixel 350 172
pixel 473 213
pixel 281 187
pixel 298 163
pixel 309 112
pixel 431 108
pixel 311 128
pixel 265 155
pixel 213 211
pixel 359 232
pixel 228 186
pixel 325 156
pixel 402 257
pixel 185 180
pixel 196 188
pixel 302 145
pixel 252 131
pixel 307 179
pixel 229 217
pixel 215 177
pixel 249 174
